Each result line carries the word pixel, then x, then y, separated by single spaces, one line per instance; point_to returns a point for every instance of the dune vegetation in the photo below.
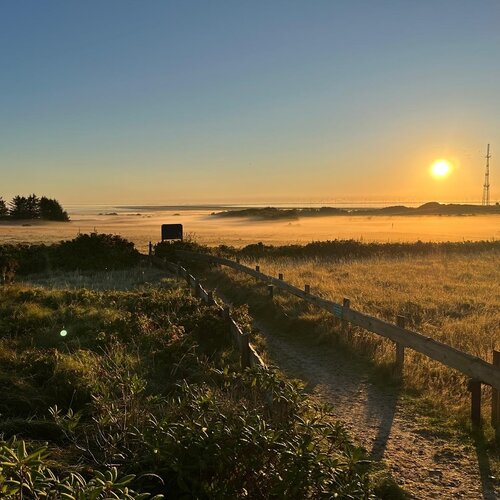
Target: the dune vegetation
pixel 446 291
pixel 136 392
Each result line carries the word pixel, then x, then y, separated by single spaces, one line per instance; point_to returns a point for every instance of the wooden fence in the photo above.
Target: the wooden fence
pixel 478 370
pixel 248 355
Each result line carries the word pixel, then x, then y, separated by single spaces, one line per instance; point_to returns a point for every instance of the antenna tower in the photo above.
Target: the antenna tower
pixel 486 186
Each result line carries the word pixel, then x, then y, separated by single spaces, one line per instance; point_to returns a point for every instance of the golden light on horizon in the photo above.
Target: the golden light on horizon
pixel 441 168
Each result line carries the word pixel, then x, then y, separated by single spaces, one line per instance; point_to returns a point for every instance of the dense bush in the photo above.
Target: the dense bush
pixel 352 249
pixel 86 252
pixel 167 250
pixel 96 251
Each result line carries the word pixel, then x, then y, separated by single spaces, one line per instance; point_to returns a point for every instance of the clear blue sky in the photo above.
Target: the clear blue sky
pixel 161 101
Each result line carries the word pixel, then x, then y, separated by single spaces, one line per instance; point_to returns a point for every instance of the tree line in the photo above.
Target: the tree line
pixel 32 207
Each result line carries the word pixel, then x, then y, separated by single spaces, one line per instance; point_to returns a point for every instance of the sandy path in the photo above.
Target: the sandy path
pixel 425 465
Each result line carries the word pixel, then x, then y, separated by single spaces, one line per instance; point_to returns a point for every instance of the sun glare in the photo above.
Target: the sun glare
pixel 441 168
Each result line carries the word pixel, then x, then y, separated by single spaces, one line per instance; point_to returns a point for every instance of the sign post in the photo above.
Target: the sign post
pixel 171 232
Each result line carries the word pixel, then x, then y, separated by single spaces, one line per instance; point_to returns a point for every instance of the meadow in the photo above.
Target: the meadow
pixel 452 296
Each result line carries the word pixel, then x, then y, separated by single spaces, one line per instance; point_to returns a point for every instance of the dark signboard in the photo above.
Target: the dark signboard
pixel 171 232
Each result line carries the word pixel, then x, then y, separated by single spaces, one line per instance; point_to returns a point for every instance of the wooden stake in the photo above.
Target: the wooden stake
pixel 475 407
pixel 280 276
pixel 400 350
pixel 270 289
pixel 245 351
pixel 346 304
pixel 307 288
pixel 495 400
pixel 257 268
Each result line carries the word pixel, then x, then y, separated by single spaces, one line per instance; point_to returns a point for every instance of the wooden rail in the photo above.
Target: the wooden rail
pixel 479 370
pixel 248 355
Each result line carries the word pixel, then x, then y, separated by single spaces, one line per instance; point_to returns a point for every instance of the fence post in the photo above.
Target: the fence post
pixel 245 351
pixel 495 400
pixel 257 268
pixel 150 249
pixel 475 407
pixel 346 304
pixel 400 350
pixel 280 276
pixel 307 288
pixel 226 315
pixel 270 289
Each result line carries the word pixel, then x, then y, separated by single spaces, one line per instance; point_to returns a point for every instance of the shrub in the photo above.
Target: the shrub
pixel 167 250
pixel 25 474
pixel 352 249
pixel 96 251
pixel 85 252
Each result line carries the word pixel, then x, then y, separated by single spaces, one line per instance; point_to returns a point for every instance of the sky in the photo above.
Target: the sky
pixel 119 101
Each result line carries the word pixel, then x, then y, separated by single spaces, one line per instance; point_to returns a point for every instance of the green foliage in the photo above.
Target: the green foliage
pixel 51 209
pixel 92 251
pixel 144 382
pixel 24 207
pixel 352 249
pixel 167 250
pixel 225 450
pixel 32 207
pixel 25 474
pixel 96 251
pixel 4 211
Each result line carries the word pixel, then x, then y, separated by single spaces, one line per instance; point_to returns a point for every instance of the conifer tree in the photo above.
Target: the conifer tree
pixel 4 211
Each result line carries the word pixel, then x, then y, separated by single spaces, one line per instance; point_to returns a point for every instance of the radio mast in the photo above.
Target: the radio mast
pixel 486 186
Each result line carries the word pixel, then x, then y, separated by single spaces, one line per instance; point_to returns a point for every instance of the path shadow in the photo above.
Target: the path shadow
pixel 383 414
pixel 480 445
pixel 349 378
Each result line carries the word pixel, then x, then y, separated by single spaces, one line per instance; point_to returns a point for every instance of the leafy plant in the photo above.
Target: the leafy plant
pixel 24 474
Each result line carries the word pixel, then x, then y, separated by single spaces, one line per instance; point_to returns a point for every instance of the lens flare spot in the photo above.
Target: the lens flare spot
pixel 63 333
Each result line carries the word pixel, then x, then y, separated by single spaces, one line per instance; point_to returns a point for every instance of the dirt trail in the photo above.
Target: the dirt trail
pixel 425 465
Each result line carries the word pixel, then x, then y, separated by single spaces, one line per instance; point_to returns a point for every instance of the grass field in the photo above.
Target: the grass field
pixel 454 298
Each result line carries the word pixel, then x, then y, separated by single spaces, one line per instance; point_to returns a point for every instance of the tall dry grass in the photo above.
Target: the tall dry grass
pixel 452 298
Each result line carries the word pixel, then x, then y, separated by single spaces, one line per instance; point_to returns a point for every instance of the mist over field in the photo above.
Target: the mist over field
pixel 144 226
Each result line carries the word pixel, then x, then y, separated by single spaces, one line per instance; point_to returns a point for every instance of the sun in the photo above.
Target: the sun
pixel 441 168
